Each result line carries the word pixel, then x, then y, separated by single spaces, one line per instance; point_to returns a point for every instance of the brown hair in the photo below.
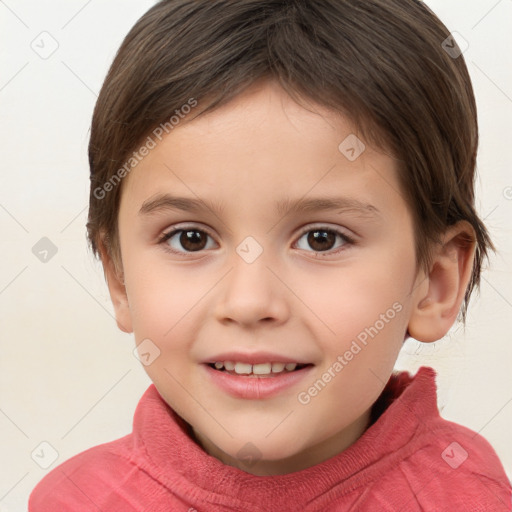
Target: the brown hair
pixel 379 62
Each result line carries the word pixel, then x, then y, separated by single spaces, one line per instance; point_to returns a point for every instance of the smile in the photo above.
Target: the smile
pixel 256 381
pixel 239 368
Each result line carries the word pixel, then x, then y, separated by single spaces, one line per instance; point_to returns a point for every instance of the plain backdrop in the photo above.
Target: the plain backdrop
pixel 68 376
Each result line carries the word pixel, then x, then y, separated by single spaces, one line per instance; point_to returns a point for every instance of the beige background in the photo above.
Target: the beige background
pixel 68 377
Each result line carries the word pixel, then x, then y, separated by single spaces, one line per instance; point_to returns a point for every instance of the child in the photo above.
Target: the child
pixel 321 155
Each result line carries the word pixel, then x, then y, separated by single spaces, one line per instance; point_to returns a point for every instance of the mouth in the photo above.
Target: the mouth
pixel 268 369
pixel 256 378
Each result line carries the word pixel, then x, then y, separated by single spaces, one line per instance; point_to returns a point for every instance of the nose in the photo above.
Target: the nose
pixel 252 294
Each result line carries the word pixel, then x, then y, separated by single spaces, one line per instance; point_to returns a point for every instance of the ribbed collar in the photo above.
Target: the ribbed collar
pixel 164 448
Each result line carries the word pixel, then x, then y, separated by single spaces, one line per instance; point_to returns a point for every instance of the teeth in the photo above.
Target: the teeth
pixel 243 368
pixel 262 369
pixel 256 369
pixel 277 367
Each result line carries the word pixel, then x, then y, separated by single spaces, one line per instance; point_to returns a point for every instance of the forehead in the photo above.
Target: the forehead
pixel 263 143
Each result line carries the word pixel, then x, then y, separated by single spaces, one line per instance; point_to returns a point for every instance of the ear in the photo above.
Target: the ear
pixel 438 297
pixel 117 289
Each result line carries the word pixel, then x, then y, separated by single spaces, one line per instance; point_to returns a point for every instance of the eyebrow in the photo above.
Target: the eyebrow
pixel 164 202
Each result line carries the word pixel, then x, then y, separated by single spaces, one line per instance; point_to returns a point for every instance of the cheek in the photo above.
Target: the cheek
pixel 163 310
pixel 366 318
pixel 161 302
pixel 363 318
pixel 348 300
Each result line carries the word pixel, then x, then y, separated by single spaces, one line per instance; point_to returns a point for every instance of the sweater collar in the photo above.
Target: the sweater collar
pixel 163 447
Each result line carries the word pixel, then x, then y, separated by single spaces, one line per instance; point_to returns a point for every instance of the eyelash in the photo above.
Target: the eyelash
pixel 348 240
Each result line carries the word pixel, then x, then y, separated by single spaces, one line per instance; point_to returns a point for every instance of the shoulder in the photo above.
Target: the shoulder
pixel 431 463
pixel 454 468
pixel 82 482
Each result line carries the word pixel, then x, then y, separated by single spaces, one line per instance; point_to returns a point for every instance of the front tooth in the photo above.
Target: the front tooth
pixel 277 367
pixel 219 365
pixel 262 369
pixel 229 365
pixel 291 366
pixel 242 368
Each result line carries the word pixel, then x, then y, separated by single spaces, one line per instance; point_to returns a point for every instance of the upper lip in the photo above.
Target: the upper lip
pixel 253 358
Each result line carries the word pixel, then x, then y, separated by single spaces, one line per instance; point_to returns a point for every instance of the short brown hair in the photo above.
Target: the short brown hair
pixel 379 62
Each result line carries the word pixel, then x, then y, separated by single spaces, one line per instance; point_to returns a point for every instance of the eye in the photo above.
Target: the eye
pixel 323 239
pixel 190 239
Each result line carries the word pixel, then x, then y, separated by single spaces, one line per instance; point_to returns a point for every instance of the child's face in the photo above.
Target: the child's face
pixel 343 310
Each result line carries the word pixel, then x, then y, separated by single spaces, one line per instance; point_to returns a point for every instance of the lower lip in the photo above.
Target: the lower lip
pixel 256 387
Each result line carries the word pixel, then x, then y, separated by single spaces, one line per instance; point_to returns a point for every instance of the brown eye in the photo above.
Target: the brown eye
pixel 193 240
pixel 323 240
pixel 186 240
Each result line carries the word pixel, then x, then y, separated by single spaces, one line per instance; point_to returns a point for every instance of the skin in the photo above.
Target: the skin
pixel 294 299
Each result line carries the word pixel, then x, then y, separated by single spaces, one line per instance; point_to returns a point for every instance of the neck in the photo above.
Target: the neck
pixel 311 456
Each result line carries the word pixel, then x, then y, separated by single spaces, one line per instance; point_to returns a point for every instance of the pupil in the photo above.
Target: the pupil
pixel 189 239
pixel 316 238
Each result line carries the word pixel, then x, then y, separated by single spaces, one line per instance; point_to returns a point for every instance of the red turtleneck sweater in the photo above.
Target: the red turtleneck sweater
pixel 409 459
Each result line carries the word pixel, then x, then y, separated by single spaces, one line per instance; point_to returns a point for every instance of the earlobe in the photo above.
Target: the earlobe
pixel 437 302
pixel 117 290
